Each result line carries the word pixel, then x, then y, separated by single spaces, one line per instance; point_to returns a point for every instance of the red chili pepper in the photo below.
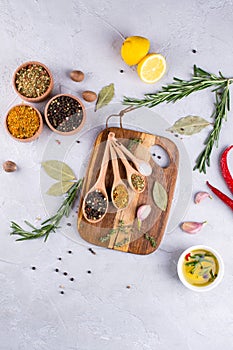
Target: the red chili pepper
pixel 225 170
pixel 187 256
pixel 228 201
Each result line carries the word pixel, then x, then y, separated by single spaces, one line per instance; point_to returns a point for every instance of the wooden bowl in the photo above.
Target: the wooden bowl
pixel 41 97
pixel 58 129
pixel 36 134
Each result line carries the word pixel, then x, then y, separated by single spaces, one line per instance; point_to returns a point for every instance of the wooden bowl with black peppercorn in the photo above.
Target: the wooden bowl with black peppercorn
pixel 24 122
pixel 33 81
pixel 65 114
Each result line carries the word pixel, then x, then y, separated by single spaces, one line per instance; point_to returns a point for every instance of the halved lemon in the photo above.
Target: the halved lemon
pixel 151 68
pixel 134 49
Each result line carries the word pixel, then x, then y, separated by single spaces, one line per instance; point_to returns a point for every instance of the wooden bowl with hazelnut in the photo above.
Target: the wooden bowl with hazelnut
pixel 24 123
pixel 65 114
pixel 33 81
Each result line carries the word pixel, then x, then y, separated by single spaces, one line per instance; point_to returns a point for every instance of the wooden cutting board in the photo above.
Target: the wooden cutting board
pixel 119 228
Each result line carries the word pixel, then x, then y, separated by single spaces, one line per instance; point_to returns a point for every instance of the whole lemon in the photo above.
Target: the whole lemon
pixel 134 49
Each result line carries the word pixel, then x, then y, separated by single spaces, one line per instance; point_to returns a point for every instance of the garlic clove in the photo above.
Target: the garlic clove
pixel 200 196
pixel 142 213
pixel 192 226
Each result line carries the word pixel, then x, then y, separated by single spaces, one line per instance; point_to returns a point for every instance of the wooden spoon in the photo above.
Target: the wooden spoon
pixel 95 203
pixel 119 193
pixel 143 167
pixel 135 179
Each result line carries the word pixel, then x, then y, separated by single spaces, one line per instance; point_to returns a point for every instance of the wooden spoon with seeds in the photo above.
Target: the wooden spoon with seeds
pixel 95 203
pixel 143 167
pixel 119 193
pixel 135 179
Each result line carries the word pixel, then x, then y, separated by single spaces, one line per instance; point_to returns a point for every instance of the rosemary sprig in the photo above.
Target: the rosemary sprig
pixel 181 88
pixel 150 239
pixel 51 224
pixel 222 105
pixel 126 229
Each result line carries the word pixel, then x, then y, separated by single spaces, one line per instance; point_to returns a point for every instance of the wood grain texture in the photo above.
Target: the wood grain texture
pixel 110 232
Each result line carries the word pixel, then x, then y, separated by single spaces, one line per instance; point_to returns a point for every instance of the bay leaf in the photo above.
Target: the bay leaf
pixel 105 96
pixel 59 188
pixel 58 170
pixel 160 196
pixel 189 125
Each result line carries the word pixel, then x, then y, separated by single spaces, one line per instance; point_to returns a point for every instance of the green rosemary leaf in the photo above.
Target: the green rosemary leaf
pixel 121 243
pixel 29 224
pixel 151 240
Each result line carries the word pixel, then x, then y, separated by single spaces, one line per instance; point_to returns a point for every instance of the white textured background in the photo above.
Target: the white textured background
pixel 97 311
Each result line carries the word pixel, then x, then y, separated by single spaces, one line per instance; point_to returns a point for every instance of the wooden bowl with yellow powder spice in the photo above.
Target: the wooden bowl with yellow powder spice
pixel 33 81
pixel 24 123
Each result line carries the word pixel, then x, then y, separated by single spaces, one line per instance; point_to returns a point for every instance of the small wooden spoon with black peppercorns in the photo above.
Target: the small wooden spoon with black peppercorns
pixel 95 203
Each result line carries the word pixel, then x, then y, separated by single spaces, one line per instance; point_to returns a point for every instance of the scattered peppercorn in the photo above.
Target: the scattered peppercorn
pixel 72 279
pixel 89 271
pixel 9 166
pixel 95 205
pixel 121 71
pixel 62 292
pixel 56 270
pixel 92 251
pixel 128 287
pixel 65 273
pixel 194 51
pixel 69 252
pixel 59 258
pixel 32 81
pixel 65 113
pixel 23 121
pixel 33 268
pixel 68 224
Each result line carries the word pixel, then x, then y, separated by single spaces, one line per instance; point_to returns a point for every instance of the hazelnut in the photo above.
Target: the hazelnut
pixel 77 75
pixel 89 96
pixel 9 166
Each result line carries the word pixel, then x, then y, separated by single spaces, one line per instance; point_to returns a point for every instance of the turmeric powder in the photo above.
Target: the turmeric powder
pixel 23 121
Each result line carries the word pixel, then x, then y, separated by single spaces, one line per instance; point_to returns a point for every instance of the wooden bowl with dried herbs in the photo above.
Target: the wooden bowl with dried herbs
pixel 65 114
pixel 24 123
pixel 33 81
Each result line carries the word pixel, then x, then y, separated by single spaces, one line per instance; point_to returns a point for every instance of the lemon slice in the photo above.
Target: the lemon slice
pixel 151 68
